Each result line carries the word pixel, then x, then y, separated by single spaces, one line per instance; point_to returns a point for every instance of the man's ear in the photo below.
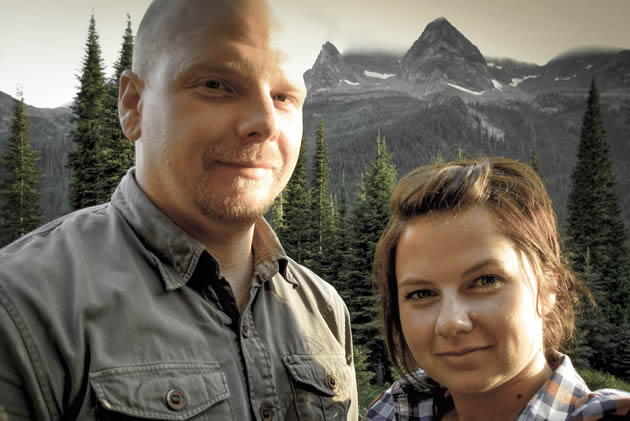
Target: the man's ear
pixel 130 104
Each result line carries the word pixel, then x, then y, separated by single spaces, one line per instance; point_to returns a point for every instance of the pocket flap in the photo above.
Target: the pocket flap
pixel 329 373
pixel 174 391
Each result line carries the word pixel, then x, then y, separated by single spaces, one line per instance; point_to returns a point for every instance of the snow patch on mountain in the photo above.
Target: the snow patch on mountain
pixel 496 66
pixel 351 83
pixel 588 66
pixel 497 85
pixel 490 128
pixel 468 91
pixel 517 80
pixel 378 75
pixel 557 78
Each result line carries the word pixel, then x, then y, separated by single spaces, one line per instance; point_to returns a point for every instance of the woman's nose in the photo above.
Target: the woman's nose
pixel 455 317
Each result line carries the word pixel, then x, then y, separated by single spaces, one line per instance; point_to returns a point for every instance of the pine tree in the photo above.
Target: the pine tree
pixel 323 240
pixel 116 154
pixel 534 159
pixel 367 391
pixel 90 132
pixel 369 217
pixel 596 235
pixel 340 239
pixel 20 212
pixel 276 214
pixel 294 234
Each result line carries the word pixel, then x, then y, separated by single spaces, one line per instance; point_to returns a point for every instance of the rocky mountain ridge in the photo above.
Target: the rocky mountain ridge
pixel 442 60
pixel 442 95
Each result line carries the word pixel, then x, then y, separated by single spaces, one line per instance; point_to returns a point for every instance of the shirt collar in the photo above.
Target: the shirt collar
pixel 173 251
pixel 269 256
pixel 565 389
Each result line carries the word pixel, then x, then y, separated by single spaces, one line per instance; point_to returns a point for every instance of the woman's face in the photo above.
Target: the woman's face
pixel 467 300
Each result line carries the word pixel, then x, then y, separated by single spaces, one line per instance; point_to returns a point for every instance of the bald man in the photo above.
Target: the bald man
pixel 175 301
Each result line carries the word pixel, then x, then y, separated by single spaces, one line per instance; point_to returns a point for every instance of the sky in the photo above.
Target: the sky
pixel 42 42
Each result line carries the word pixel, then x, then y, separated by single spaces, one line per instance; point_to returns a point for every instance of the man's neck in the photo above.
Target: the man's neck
pixel 504 402
pixel 233 250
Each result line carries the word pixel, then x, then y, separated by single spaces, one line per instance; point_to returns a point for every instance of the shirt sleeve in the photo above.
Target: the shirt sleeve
pixel 21 396
pixel 605 404
pixel 382 409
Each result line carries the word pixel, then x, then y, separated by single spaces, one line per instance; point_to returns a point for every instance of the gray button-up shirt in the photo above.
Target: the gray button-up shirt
pixel 114 312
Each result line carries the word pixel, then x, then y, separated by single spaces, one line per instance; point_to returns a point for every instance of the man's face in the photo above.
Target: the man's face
pixel 221 119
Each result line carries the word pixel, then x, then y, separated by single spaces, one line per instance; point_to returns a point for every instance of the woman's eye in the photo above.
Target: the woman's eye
pixel 485 281
pixel 420 294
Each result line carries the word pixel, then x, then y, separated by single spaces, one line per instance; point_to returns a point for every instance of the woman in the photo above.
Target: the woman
pixel 476 293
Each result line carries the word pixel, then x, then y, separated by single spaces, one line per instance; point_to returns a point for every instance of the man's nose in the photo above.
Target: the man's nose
pixel 454 317
pixel 259 121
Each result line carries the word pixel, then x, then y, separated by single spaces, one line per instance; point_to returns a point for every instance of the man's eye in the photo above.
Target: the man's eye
pixel 486 281
pixel 280 97
pixel 215 84
pixel 421 294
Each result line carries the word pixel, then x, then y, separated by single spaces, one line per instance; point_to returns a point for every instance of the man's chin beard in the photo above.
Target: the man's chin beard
pixel 232 211
pixel 249 203
pixel 239 209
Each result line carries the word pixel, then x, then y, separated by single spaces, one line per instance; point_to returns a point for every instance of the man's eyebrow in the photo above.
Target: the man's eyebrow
pixel 240 68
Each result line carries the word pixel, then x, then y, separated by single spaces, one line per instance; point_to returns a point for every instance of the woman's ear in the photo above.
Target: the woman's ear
pixel 130 104
pixel 547 303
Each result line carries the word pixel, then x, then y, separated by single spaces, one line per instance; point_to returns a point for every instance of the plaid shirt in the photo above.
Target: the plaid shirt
pixel 563 397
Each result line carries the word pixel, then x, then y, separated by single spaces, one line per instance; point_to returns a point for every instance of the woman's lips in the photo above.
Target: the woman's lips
pixel 461 352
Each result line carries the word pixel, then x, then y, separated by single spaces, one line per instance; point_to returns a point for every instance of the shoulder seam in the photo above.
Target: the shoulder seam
pixel 54 224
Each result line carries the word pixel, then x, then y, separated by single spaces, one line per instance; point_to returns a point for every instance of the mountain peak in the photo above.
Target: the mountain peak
pixel 330 48
pixel 440 23
pixel 329 69
pixel 441 29
pixel 444 55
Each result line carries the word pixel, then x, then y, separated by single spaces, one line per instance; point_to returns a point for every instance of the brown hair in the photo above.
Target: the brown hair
pixel 516 196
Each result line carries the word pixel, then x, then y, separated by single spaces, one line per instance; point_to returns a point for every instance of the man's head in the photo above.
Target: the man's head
pixel 214 110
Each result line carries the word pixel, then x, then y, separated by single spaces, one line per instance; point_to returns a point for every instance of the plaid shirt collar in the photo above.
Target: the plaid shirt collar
pixel 563 397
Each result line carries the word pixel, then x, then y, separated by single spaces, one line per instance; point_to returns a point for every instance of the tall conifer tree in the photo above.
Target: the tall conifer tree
pixel 116 154
pixel 369 217
pixel 20 212
pixel 340 239
pixel 276 214
pixel 323 241
pixel 90 131
pixel 596 237
pixel 294 234
pixel 534 160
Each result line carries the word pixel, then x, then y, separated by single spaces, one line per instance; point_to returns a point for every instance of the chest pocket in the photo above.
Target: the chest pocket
pixel 178 391
pixel 321 386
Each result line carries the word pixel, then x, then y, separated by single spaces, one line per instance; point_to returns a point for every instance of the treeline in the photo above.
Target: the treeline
pixel 336 236
pixel 101 156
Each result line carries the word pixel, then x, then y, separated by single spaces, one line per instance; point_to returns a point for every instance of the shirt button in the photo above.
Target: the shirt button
pixel 245 329
pixel 266 412
pixel 176 399
pixel 332 382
